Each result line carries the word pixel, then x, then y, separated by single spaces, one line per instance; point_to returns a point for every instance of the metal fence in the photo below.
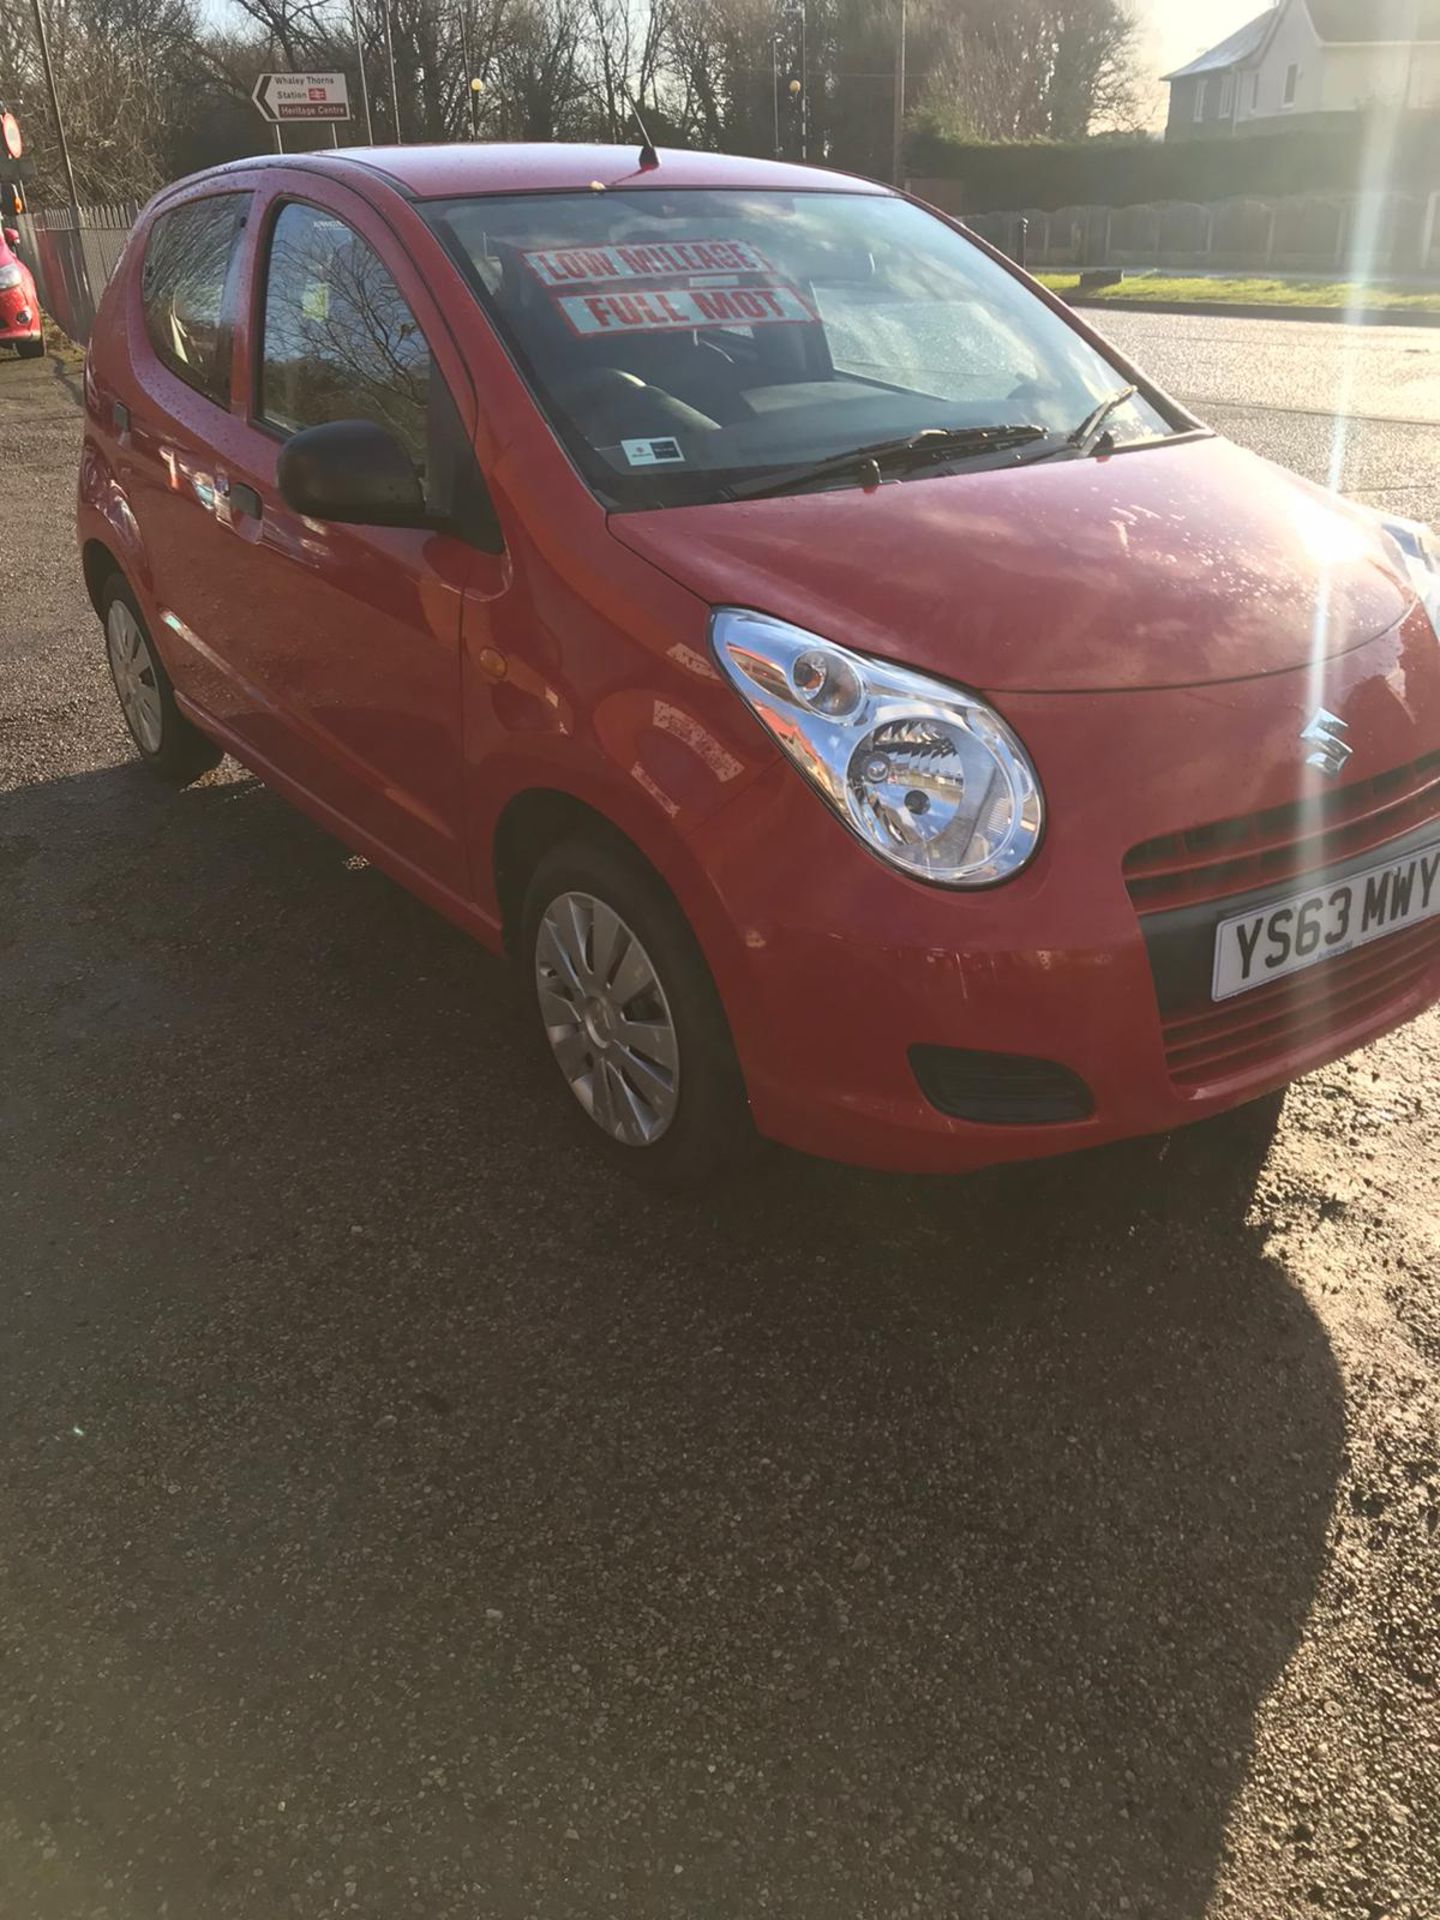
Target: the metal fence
pixel 1340 235
pixel 71 262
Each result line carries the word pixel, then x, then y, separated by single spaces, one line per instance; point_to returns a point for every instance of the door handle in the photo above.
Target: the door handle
pixel 235 501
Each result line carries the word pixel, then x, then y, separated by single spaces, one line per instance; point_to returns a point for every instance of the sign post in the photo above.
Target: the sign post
pixel 281 97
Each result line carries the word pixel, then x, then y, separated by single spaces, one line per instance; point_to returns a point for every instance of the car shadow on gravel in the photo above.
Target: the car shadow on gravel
pixel 833 1544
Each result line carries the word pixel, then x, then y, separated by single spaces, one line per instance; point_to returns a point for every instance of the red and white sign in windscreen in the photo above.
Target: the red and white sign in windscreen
pixel 664 309
pixel 657 260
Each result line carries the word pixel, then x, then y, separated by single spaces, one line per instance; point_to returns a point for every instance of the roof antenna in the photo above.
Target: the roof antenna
pixel 649 158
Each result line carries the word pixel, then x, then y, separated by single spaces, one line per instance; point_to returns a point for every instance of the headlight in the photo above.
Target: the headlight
pixel 1420 550
pixel 9 277
pixel 928 777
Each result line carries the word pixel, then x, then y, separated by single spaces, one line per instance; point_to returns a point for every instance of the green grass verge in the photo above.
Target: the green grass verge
pixel 1251 293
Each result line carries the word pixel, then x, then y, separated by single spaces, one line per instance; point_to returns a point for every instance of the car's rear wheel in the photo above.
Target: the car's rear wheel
pixel 166 740
pixel 631 1015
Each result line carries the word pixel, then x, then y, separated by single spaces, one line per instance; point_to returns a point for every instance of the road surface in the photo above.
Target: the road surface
pixel 1353 406
pixel 402 1518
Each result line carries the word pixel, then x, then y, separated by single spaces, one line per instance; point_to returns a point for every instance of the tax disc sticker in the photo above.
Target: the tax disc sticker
pixel 653 453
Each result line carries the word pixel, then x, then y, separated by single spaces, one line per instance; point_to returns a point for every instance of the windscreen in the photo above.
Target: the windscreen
pixel 683 342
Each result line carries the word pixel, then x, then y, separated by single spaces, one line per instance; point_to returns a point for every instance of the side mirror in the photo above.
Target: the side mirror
pixel 12 238
pixel 352 471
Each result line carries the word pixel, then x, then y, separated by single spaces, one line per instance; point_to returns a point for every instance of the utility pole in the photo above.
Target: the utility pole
pixel 472 99
pixel 44 39
pixel 775 80
pixel 45 61
pixel 804 80
pixel 897 157
pixel 390 58
pixel 360 62
pixel 1410 56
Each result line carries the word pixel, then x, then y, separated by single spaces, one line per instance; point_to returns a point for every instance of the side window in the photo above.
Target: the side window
pixel 339 343
pixel 182 289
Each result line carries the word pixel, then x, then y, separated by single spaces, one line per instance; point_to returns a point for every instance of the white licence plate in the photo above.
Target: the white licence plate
pixel 1289 935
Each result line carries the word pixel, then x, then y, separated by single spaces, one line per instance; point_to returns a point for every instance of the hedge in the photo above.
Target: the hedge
pixel 1329 155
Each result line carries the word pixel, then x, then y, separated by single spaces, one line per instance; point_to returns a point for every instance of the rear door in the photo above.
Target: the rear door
pixel 350 635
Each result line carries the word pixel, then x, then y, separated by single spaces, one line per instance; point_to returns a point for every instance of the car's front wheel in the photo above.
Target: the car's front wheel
pixel 166 740
pixel 631 1015
pixel 30 349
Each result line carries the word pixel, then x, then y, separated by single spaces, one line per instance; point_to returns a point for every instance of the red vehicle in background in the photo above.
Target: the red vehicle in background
pixel 20 323
pixel 868 711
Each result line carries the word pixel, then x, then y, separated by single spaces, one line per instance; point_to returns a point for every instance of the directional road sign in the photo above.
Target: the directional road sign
pixel 302 96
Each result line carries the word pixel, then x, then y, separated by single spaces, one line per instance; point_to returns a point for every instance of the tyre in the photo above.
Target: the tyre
pixel 165 739
pixel 30 349
pixel 631 1016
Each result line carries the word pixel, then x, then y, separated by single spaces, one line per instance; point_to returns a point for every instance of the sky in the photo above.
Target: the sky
pixel 1179 29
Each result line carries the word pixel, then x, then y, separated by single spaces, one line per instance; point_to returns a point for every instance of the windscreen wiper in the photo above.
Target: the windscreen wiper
pixel 1088 434
pixel 931 443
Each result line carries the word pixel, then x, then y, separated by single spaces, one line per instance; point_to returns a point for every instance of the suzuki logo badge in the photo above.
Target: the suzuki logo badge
pixel 1326 734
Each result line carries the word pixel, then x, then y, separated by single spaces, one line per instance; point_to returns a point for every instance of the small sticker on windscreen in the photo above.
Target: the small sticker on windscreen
pixel 653 453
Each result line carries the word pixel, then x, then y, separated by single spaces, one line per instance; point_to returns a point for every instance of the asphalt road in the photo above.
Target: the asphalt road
pixel 1357 407
pixel 400 1518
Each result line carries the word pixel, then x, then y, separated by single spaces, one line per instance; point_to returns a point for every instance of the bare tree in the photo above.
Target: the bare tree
pixel 1034 69
pixel 151 95
pixel 128 69
pixel 542 90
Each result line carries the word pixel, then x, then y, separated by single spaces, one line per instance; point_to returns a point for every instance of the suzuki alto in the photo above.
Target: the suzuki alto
pixel 870 712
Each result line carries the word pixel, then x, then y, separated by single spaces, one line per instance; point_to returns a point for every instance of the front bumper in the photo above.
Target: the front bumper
pixel 840 966
pixel 19 317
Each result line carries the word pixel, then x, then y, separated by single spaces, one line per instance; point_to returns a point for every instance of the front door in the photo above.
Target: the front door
pixel 351 634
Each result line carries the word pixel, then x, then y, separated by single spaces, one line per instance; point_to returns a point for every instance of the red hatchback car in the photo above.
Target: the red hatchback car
pixel 868 710
pixel 20 323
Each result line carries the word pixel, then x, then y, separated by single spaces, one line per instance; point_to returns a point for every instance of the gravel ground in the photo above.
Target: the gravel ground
pixel 401 1519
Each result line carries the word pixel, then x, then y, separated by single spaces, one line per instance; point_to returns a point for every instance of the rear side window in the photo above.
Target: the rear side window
pixel 188 258
pixel 340 341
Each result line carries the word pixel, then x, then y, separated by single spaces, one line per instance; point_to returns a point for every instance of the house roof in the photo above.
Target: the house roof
pixel 1371 22
pixel 1241 46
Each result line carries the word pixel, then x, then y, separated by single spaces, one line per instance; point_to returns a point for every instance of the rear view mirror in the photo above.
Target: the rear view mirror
pixel 352 471
pixel 12 238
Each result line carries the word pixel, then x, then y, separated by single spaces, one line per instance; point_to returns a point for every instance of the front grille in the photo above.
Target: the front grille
pixel 1304 1012
pixel 1185 884
pixel 1281 843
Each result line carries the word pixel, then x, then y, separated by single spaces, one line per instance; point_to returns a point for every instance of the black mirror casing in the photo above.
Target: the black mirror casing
pixel 352 471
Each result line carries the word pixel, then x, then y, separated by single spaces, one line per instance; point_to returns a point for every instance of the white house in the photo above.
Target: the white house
pixel 1306 57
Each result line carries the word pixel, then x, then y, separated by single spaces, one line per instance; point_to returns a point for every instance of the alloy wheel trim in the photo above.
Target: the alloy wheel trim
pixel 132 667
pixel 608 1019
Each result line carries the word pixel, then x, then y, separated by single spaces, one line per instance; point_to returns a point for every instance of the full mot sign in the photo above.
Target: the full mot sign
pixel 302 96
